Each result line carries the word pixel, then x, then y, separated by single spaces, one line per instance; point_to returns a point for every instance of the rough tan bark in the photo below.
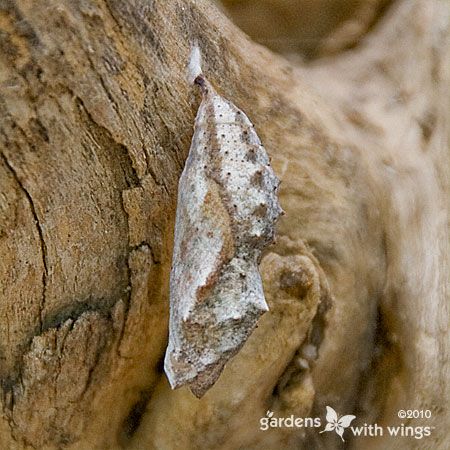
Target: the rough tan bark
pixel 96 121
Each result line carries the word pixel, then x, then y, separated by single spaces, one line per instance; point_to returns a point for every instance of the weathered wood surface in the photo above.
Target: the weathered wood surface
pixel 95 124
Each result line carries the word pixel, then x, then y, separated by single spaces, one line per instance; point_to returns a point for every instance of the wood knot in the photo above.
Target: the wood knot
pixel 295 282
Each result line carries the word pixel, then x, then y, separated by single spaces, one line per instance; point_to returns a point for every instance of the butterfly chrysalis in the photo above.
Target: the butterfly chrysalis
pixel 226 213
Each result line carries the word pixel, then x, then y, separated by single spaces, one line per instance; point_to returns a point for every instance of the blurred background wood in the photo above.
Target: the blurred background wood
pixel 306 28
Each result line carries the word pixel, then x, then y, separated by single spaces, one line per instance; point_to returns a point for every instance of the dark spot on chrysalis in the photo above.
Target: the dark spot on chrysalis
pixel 257 178
pixel 251 155
pixel 245 136
pixel 261 210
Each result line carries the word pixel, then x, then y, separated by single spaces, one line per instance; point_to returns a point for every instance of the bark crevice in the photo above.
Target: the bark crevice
pixel 40 233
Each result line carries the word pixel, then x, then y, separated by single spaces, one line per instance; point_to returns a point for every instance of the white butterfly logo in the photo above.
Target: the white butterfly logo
pixel 338 424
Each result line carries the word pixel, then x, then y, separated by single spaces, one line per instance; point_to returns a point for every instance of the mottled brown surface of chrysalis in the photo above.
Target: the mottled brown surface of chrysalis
pixel 226 213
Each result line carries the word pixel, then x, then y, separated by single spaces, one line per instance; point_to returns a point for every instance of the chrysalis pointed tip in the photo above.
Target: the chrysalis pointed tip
pixel 201 81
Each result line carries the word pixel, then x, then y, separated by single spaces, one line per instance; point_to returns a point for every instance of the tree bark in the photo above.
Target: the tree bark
pixel 96 121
